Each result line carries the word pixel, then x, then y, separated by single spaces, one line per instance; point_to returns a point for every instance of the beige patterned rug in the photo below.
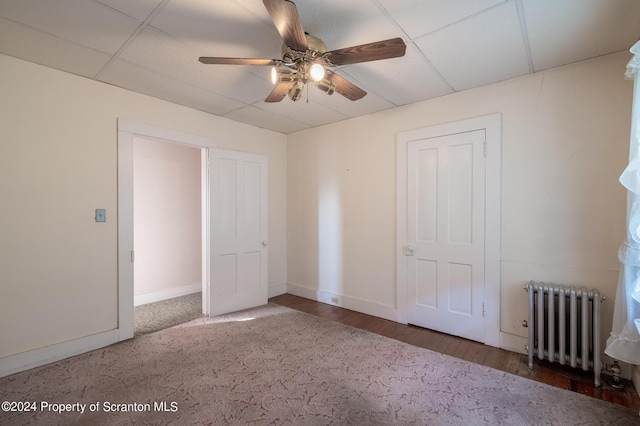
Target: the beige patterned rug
pixel 276 366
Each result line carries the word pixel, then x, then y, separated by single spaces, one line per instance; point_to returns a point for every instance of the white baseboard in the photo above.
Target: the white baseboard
pixel 158 296
pixel 277 290
pixel 35 358
pixel 363 306
pixel 513 343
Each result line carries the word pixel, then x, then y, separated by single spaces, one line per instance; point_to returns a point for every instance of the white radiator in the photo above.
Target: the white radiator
pixel 564 326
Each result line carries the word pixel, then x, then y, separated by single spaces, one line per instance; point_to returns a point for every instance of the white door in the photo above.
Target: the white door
pixel 445 228
pixel 238 272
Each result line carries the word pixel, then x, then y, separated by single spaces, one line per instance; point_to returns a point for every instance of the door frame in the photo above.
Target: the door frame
pixel 127 131
pixel 492 124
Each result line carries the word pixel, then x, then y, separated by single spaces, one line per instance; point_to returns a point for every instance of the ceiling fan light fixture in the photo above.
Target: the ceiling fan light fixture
pixel 295 92
pixel 316 72
pixel 326 86
pixel 282 75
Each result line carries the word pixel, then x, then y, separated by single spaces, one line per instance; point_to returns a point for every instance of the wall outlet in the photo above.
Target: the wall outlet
pixel 335 300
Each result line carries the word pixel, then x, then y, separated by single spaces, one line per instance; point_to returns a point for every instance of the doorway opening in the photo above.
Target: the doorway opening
pixel 128 132
pixel 234 224
pixel 167 224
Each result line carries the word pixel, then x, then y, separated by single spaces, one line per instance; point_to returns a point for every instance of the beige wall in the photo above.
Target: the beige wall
pixel 565 142
pixel 167 217
pixel 565 139
pixel 58 163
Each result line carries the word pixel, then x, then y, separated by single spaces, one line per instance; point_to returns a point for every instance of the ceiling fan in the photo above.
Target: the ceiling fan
pixel 305 58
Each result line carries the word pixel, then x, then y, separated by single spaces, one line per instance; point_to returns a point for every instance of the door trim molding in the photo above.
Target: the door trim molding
pixel 492 124
pixel 127 131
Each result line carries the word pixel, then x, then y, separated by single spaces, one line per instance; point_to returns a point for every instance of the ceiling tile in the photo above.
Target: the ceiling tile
pixel 219 28
pixel 305 112
pixel 420 17
pixel 338 23
pixel 26 43
pixel 159 52
pixel 493 53
pixel 402 80
pixel 138 9
pixel 82 22
pixel 257 9
pixel 263 118
pixel 573 30
pixel 369 104
pixel 342 23
pixel 133 77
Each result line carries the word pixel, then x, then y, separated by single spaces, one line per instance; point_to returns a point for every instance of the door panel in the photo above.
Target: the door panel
pixel 226 273
pixel 445 224
pixel 460 288
pixel 226 202
pixel 252 214
pixel 428 194
pixel 426 288
pixel 249 270
pixel 238 231
pixel 460 193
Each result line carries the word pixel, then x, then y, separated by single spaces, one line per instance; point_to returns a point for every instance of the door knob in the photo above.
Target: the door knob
pixel 409 250
pixel 264 244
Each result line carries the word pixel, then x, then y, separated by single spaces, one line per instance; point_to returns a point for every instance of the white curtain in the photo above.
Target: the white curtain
pixel 624 343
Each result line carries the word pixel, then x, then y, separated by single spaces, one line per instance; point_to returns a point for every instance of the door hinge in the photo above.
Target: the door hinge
pixel 133 256
pixel 483 311
pixel 485 149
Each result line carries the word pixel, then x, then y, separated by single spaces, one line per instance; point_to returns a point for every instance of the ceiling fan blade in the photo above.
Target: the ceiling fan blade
pixel 279 92
pixel 285 16
pixel 383 49
pixel 237 61
pixel 346 88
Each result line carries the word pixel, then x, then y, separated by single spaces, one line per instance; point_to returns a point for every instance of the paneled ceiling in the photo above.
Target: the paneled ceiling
pixel 152 47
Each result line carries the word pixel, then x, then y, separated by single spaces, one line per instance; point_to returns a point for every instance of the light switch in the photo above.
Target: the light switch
pixel 101 215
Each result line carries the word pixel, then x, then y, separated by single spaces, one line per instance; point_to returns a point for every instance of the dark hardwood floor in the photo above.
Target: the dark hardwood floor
pixel 552 374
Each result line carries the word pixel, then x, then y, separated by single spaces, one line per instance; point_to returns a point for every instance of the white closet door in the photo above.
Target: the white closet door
pixel 445 224
pixel 238 231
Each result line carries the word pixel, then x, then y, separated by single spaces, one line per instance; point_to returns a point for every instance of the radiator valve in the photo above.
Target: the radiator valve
pixel 615 371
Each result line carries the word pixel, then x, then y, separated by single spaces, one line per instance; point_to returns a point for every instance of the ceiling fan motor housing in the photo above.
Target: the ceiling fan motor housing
pixel 300 62
pixel 313 43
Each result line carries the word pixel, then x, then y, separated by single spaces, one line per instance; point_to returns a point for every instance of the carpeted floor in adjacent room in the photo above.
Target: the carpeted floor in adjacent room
pixel 166 313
